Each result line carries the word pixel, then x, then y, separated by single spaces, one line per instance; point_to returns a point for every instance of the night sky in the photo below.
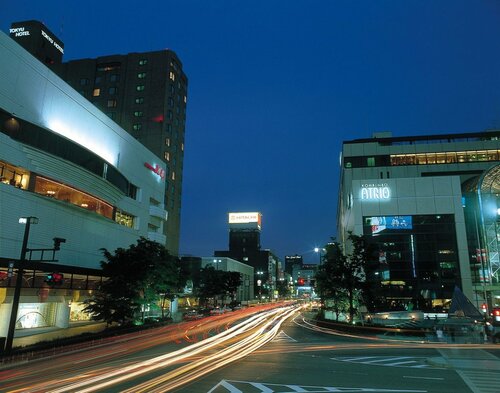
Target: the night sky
pixel 276 86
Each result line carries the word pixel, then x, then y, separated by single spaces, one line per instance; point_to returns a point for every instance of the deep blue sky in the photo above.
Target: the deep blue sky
pixel 276 86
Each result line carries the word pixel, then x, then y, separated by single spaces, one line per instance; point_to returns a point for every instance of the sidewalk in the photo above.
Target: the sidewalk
pixel 32 336
pixel 466 359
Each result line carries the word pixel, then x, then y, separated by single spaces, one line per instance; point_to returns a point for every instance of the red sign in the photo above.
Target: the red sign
pixel 158 170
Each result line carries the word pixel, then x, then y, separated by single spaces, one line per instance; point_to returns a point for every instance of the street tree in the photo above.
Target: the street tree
pixel 137 278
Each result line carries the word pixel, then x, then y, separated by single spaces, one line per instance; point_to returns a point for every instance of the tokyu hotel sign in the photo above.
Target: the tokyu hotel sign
pixel 375 192
pixel 245 220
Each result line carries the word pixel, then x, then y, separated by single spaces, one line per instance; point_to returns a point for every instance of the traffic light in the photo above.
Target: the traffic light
pixel 484 308
pixel 54 278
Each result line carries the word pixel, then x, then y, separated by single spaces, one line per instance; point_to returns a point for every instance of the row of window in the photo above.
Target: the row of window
pixel 20 178
pixel 451 157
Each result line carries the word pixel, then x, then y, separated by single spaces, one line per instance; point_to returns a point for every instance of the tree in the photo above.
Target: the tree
pixel 215 283
pixel 136 278
pixel 341 276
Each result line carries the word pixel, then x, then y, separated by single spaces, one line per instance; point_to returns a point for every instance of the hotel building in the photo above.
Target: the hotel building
pixel 428 207
pixel 68 167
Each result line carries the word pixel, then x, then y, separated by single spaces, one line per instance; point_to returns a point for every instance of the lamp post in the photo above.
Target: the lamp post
pixel 19 281
pixel 318 250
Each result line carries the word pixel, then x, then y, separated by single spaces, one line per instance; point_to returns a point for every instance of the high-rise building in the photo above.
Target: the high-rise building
pixel 146 94
pixel 428 206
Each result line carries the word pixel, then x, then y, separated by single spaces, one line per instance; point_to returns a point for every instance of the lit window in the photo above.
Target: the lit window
pixel 139 88
pixel 112 90
pixel 370 161
pixel 137 126
pixel 173 175
pixel 111 103
pixel 138 113
pixel 185 99
pixel 96 93
pixel 167 141
pixel 123 218
pixel 139 100
pixel 141 75
pixel 182 146
pixel 172 76
pixel 167 156
pixel 143 62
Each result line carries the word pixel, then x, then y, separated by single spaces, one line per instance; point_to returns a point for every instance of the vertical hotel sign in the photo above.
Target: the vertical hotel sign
pixel 375 192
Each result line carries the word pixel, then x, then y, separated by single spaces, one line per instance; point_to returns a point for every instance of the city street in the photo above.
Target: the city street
pixel 263 354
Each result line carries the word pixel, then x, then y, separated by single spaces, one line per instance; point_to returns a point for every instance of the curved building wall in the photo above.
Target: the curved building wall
pixel 34 95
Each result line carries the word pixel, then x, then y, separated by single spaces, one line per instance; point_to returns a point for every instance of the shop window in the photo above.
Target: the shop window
pixel 451 157
pixel 61 192
pixel 461 156
pixel 421 159
pixel 482 155
pixel 492 155
pixel 440 158
pixel 124 219
pixel 431 158
pixel 14 176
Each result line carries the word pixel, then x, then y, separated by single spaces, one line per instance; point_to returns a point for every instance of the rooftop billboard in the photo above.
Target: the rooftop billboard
pixel 245 219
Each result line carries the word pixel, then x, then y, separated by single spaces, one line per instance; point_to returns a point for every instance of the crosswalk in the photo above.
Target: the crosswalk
pixel 388 361
pixel 481 381
pixel 228 386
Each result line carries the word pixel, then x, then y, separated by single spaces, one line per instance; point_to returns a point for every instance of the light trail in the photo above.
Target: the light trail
pixel 242 329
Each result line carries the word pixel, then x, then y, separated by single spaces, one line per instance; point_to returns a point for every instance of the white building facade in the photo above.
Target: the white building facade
pixel 84 179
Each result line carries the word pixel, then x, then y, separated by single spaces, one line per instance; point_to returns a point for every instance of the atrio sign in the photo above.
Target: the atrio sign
pixel 375 192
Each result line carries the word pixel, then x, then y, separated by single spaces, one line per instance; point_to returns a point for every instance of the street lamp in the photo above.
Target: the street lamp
pixel 259 283
pixel 319 250
pixel 19 281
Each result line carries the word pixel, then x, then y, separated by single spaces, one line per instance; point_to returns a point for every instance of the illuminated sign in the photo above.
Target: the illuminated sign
pixel 374 192
pixel 379 224
pixel 157 170
pixel 19 32
pixel 22 31
pixel 245 218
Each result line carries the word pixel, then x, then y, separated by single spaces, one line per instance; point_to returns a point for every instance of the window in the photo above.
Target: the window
pixel 138 113
pixel 139 100
pixel 173 175
pixel 111 104
pixel 137 126
pixel 370 161
pixel 98 79
pixel 139 88
pixel 141 75
pixel 167 141
pixel 170 115
pixel 166 155
pixel 123 218
pixel 185 99
pixel 172 76
pixel 96 93
pixel 143 62
pixel 84 82
pixel 170 102
pixel 52 189
pixel 112 90
pixel 114 78
pixel 172 89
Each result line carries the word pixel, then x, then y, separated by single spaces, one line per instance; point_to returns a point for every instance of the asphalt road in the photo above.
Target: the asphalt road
pixel 268 352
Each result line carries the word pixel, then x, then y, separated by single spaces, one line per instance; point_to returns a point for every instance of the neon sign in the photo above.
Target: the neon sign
pixel 157 169
pixel 375 192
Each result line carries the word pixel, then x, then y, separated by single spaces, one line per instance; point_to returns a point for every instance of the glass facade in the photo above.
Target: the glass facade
pixel 414 261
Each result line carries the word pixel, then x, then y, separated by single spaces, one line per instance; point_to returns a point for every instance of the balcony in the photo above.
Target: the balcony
pixel 157 237
pixel 159 212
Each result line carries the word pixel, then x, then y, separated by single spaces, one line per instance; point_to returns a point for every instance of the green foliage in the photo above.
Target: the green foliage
pixel 340 278
pixel 137 278
pixel 217 283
